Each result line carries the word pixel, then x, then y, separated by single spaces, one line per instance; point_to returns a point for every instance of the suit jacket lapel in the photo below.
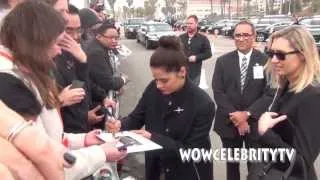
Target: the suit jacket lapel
pixel 235 68
pixel 253 61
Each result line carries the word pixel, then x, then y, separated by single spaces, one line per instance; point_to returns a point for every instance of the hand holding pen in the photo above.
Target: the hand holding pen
pixel 112 125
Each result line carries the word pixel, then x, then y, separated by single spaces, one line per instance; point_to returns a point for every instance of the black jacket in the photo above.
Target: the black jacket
pixel 227 91
pixel 173 130
pixel 100 69
pixel 200 47
pixel 75 117
pixel 299 131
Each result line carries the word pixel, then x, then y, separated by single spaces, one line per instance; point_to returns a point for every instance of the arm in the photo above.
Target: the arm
pixel 220 97
pixel 97 93
pixel 198 135
pixel 5 173
pixel 88 161
pixel 39 150
pixel 261 105
pixel 305 127
pixel 101 72
pixel 205 51
pixel 135 120
pixel 18 164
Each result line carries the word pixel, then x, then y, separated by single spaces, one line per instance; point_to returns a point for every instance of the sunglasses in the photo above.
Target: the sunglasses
pixel 280 55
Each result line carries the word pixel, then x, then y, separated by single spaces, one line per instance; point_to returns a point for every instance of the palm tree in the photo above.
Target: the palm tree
pixel 111 4
pixel 183 6
pixel 130 3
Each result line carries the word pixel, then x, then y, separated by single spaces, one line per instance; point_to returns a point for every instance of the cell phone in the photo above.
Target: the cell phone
pixel 77 84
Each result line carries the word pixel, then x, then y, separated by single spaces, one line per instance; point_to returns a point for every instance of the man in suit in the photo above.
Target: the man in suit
pixel 238 82
pixel 196 48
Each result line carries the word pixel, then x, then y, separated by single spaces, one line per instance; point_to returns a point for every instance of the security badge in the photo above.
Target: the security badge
pixel 258 71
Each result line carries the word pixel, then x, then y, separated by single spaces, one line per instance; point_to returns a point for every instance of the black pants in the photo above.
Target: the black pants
pixel 233 172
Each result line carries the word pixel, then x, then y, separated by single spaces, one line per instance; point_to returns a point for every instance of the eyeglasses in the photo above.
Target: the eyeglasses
pixel 280 55
pixel 111 37
pixel 243 35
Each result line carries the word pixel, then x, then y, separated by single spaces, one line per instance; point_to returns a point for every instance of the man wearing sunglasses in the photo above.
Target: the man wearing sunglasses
pixel 238 82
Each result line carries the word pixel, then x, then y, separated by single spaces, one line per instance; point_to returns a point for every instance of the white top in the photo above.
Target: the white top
pixel 3 13
pixel 89 159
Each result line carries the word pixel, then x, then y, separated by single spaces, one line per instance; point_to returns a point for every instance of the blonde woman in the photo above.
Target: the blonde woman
pixel 293 120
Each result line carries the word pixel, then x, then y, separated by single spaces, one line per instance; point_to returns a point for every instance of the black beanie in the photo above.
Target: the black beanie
pixel 88 18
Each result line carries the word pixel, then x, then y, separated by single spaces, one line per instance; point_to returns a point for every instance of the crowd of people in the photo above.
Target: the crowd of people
pixel 59 65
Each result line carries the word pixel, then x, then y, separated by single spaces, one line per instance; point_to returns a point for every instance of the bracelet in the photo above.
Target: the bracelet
pixel 15 130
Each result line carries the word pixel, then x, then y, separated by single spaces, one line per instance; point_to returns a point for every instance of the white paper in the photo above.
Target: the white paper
pixel 141 143
pixel 258 72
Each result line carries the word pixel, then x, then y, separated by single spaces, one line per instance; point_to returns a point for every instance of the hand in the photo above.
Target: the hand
pixel 68 44
pixel 93 118
pixel 92 139
pixel 112 153
pixel 267 121
pixel 5 172
pixel 238 117
pixel 192 58
pixel 113 125
pixel 243 128
pixel 69 96
pixel 109 103
pixel 120 91
pixel 143 133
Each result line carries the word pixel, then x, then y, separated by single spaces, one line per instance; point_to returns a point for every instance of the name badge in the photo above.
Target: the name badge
pixel 258 72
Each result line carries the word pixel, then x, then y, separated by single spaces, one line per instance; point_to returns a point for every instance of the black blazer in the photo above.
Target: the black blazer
pixel 299 131
pixel 100 69
pixel 173 130
pixel 227 90
pixel 75 117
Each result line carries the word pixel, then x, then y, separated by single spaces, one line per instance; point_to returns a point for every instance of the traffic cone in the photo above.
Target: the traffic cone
pixel 203 80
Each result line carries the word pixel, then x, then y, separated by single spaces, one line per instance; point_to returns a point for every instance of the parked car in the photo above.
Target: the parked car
pixel 229 28
pixel 313 24
pixel 204 25
pixel 310 22
pixel 264 33
pixel 316 35
pixel 131 26
pixel 150 32
pixel 217 26
pixel 271 19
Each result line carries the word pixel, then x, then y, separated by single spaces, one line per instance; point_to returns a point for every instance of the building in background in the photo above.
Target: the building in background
pixel 202 8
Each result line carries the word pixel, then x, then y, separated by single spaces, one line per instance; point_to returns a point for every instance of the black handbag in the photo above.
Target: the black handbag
pixel 267 171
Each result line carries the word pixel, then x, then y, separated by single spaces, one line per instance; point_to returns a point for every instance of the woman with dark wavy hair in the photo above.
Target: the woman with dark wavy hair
pixel 30 35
